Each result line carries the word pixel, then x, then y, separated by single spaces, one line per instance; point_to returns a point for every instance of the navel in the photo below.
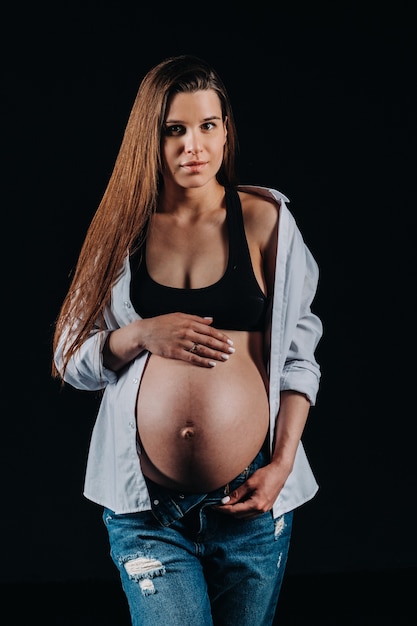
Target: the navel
pixel 188 431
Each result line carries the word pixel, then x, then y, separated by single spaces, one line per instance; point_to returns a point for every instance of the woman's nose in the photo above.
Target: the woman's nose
pixel 192 144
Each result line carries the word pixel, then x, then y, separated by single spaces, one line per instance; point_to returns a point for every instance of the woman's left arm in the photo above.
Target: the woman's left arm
pixel 258 494
pixel 299 382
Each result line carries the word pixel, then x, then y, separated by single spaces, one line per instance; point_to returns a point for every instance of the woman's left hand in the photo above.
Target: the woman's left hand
pixel 256 495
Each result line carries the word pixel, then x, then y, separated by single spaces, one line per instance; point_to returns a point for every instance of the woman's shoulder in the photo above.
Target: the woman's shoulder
pixel 261 213
pixel 266 193
pixel 267 205
pixel 262 203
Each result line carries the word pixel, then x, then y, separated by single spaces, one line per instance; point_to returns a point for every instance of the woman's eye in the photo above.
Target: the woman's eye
pixel 173 130
pixel 208 126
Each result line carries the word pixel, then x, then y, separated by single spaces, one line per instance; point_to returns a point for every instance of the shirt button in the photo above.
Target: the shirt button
pixel 135 381
pixel 156 502
pixel 182 496
pixel 127 304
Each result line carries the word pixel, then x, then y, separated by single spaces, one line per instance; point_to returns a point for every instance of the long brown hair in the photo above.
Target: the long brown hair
pixel 131 196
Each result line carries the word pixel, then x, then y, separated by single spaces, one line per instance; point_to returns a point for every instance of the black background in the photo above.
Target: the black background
pixel 325 101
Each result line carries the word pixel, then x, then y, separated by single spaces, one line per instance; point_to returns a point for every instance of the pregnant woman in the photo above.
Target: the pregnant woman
pixel 190 307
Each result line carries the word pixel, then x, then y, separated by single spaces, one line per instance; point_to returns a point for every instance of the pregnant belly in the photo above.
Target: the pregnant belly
pixel 199 428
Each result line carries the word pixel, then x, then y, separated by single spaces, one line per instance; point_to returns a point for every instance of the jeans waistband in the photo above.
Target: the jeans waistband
pixel 169 505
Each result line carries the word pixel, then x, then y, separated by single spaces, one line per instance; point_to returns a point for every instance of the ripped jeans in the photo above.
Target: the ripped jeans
pixel 185 564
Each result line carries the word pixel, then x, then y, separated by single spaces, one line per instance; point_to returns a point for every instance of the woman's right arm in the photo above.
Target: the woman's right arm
pixel 171 336
pixel 85 369
pixel 106 351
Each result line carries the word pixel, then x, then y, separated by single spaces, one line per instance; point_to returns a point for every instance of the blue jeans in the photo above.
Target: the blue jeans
pixel 186 564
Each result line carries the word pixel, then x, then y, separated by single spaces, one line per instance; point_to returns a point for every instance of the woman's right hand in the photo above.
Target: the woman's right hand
pixel 180 336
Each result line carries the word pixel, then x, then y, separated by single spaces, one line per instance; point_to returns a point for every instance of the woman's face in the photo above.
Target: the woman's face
pixel 193 138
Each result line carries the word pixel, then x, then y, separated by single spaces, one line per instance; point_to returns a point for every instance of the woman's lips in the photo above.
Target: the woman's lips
pixel 194 166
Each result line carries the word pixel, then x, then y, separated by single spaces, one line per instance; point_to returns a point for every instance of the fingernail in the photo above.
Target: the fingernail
pixel 212 363
pixel 231 350
pixel 229 341
pixel 225 500
pixel 225 356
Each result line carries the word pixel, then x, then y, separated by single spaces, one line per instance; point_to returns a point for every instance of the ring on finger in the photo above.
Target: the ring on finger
pixel 194 348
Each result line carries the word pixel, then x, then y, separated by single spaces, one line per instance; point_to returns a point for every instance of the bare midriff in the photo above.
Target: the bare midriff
pixel 200 427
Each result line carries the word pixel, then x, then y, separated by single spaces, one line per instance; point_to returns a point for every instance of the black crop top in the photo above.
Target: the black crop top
pixel 236 301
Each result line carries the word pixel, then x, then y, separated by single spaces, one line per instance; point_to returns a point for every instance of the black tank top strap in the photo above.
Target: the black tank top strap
pixel 235 224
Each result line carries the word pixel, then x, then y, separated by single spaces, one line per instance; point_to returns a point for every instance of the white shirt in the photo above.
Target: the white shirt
pixel 113 475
